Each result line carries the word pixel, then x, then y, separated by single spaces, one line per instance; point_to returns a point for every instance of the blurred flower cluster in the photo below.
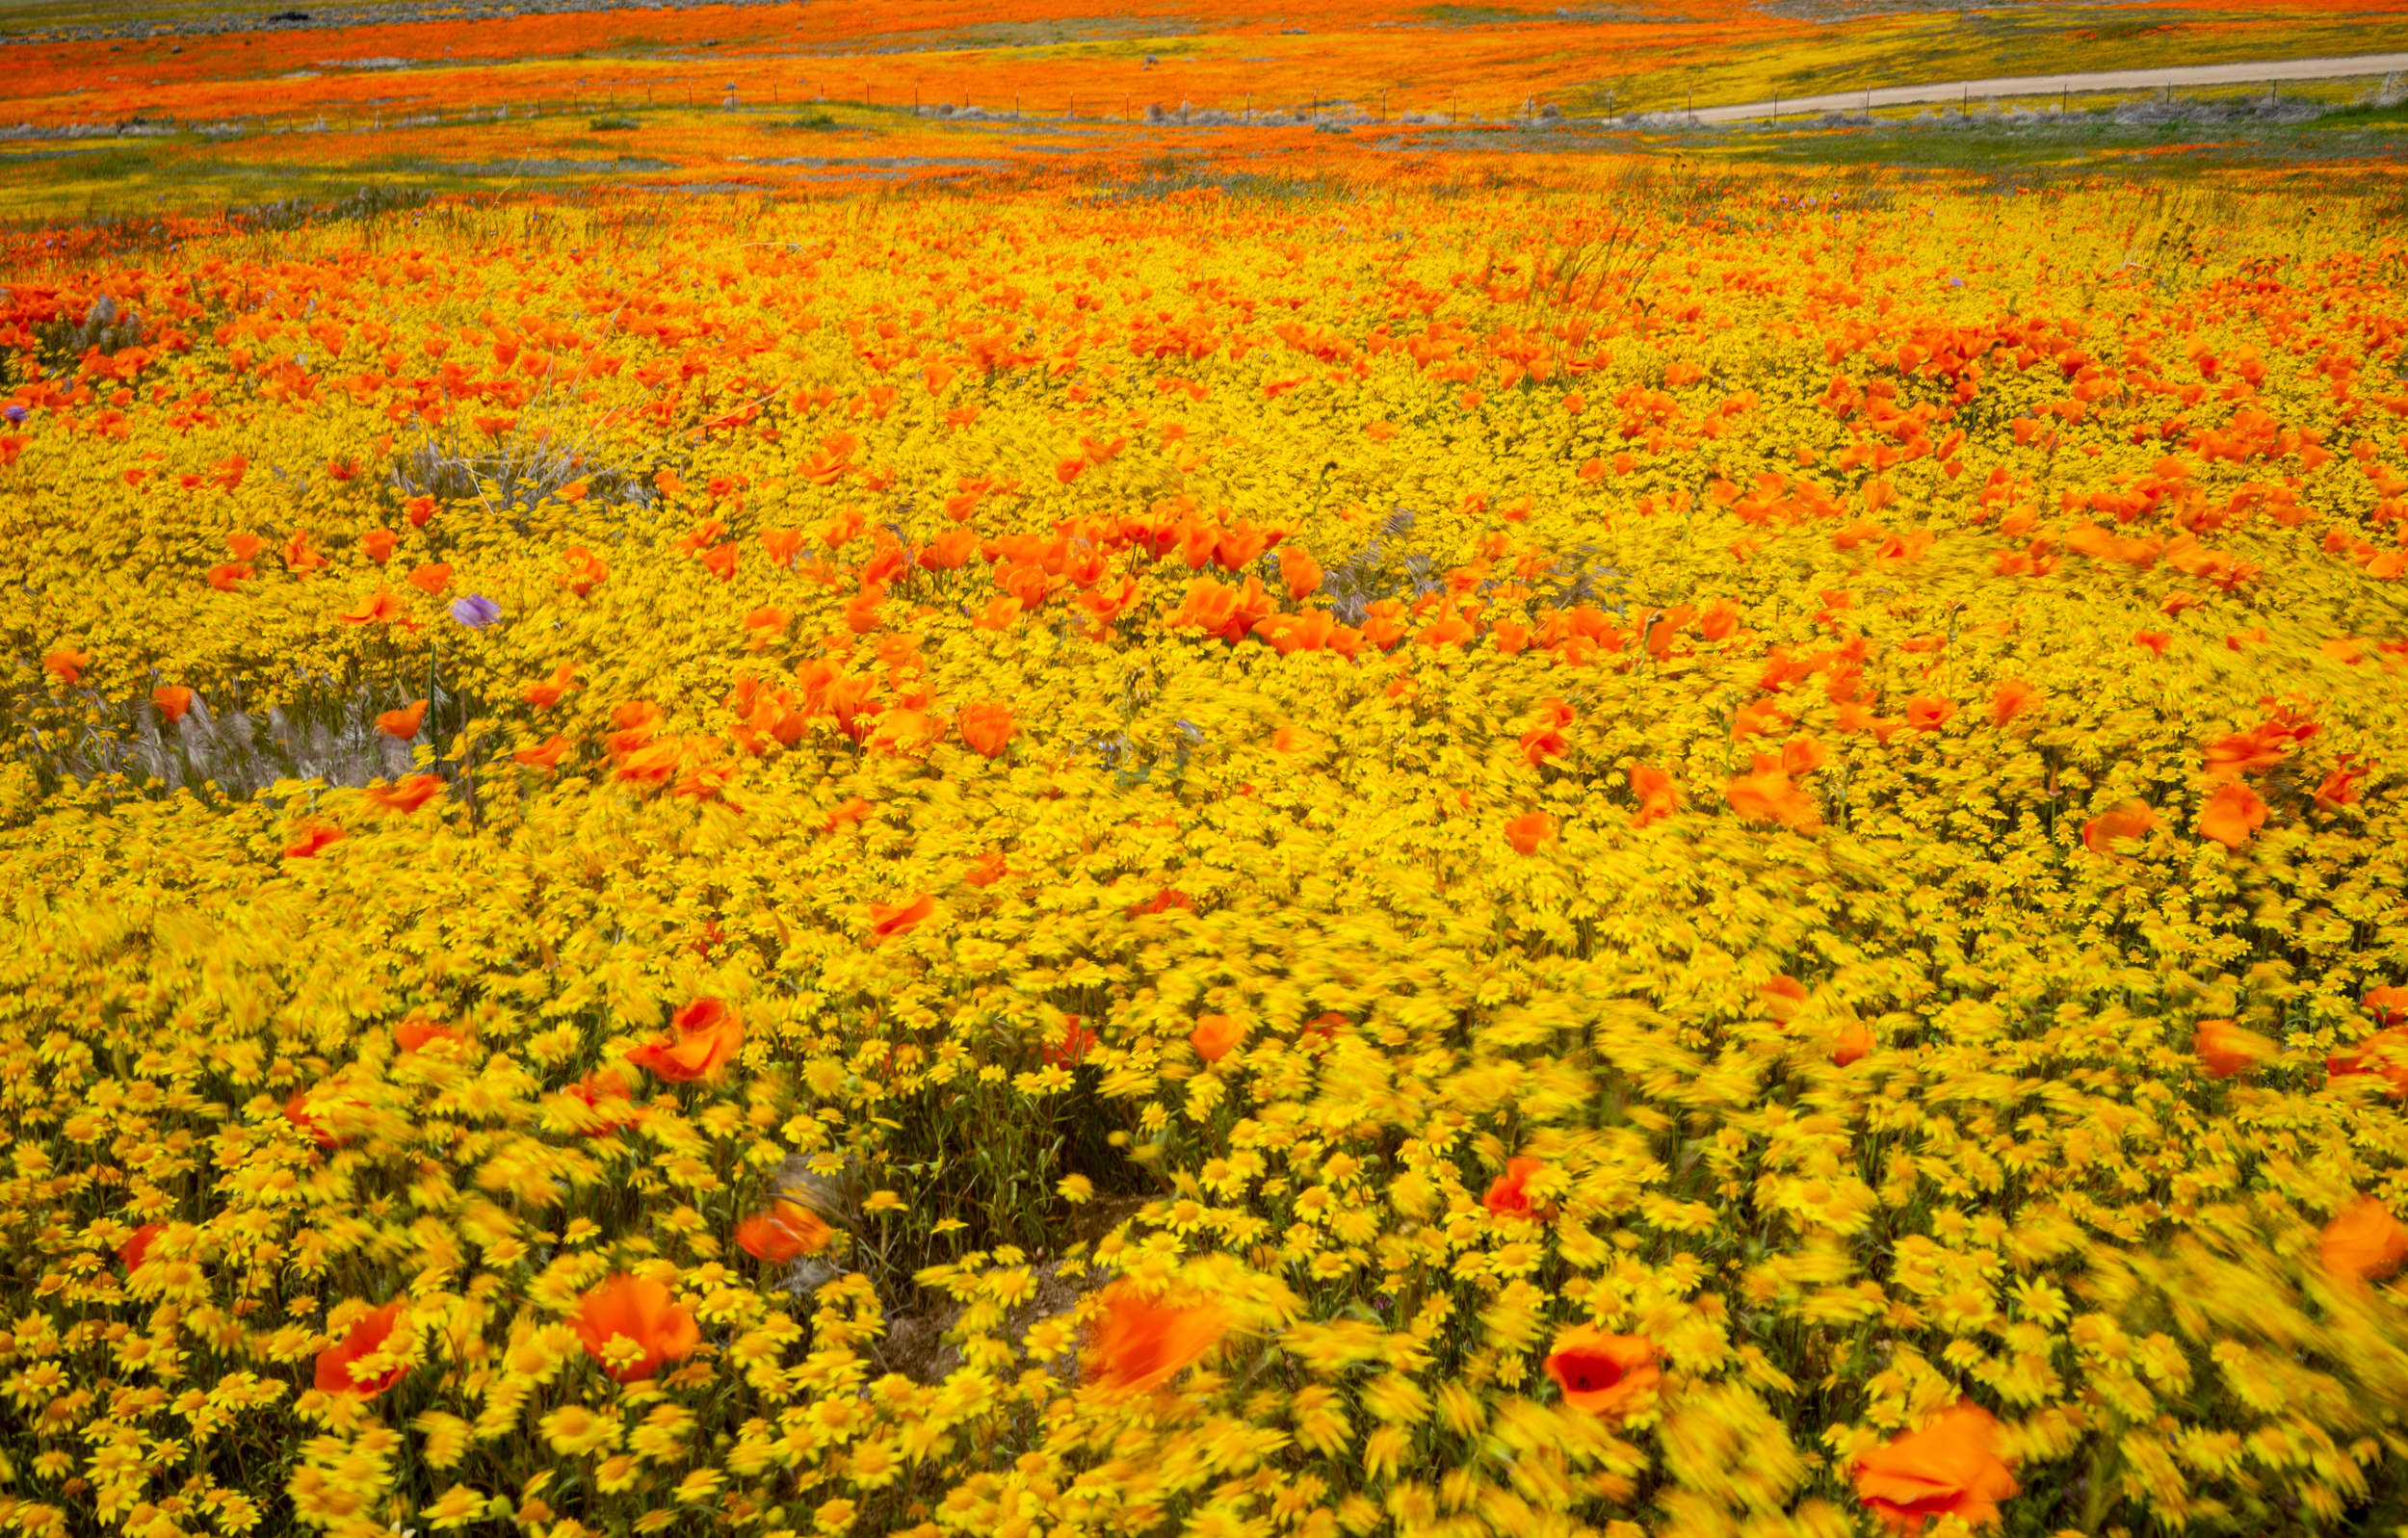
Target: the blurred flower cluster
pixel 1460 863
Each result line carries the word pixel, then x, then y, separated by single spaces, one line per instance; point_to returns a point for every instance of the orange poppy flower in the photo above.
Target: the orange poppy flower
pixel 1530 831
pixel 767 626
pixel 2153 641
pixel 635 721
pixel 224 576
pixel 67 665
pixel 338 1366
pixel 782 545
pixel 2225 1049
pixel 2339 789
pixel 1301 573
pixel 950 550
pixel 1140 1343
pixel 136 1247
pixel 297 1112
pixel 1076 1042
pixel 1212 606
pixel 2385 1053
pixel 2389 1006
pixel 701 1014
pixel 546 755
pixel 1951 1467
pixel 432 578
pixel 2008 700
pixel 550 691
pixel 602 1088
pixel 1782 996
pixel 1928 712
pixel 244 546
pixel 786 1232
pixel 309 836
pixel 1763 715
pixel 1856 1039
pixel 172 701
pixel 2232 814
pixel 1553 711
pixel 1448 629
pixel 408 795
pixel 986 728
pixel 2129 821
pixel 417 1034
pixel 989 870
pixel 854 810
pixel 1658 798
pixel 894 918
pixel 1164 901
pixel 386 608
pixel 2364 1242
pixel 402 724
pixel 1541 743
pixel 703 1037
pixel 643 1314
pixel 1769 796
pixel 1610 1376
pixel 1323 1028
pixel 1215 1036
pixel 585 570
pixel 1508 1194
pixel 378 543
pixel 905 731
pixel 2247 752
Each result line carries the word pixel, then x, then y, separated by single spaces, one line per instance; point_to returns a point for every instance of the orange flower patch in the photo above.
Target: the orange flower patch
pixel 787 1232
pixel 1609 1376
pixel 358 1364
pixel 1508 1194
pixel 986 728
pixel 2232 814
pixel 1140 1343
pixel 1530 832
pixel 703 1038
pixel 2130 820
pixel 1951 1467
pixel 634 1326
pixel 1215 1037
pixel 402 724
pixel 2225 1049
pixel 2364 1242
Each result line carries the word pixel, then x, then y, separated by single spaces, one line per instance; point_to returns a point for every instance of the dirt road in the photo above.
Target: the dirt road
pixel 2234 74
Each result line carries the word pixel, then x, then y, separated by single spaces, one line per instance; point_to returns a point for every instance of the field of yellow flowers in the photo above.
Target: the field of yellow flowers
pixel 1641 856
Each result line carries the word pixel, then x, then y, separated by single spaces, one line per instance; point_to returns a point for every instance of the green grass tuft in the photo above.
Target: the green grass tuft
pixel 2366 113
